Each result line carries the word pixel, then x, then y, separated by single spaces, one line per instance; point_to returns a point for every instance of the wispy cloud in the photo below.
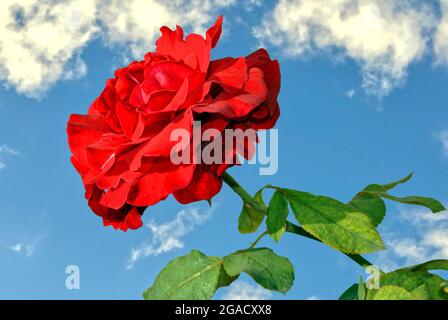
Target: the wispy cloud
pixel 27 247
pixel 250 5
pixel 168 236
pixel 32 63
pixel 134 24
pixel 427 239
pixel 440 40
pixel 5 154
pixel 241 290
pixel 383 37
pixel 443 138
pixel 42 41
pixel 350 93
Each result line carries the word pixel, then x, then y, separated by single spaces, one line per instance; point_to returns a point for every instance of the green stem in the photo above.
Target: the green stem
pixel 247 198
pixel 439 264
pixel 258 239
pixel 293 228
pixel 290 227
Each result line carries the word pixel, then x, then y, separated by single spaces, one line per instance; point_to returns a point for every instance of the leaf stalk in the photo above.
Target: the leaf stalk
pixel 290 227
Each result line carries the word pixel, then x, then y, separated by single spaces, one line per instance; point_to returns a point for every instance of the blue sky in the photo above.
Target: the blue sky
pixel 359 106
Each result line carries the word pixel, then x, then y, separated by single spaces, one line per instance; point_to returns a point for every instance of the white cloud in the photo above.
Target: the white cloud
pixel 135 24
pixel 441 37
pixel 428 239
pixel 27 247
pixel 17 247
pixel 250 5
pixel 350 93
pixel 168 236
pixel 437 239
pixel 6 153
pixel 240 290
pixel 40 42
pixel 443 138
pixel 384 37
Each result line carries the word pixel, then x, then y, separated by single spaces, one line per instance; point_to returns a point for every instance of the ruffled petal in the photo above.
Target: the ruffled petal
pixel 124 218
pixel 128 119
pixel 194 50
pixel 251 96
pixel 163 179
pixel 116 198
pixel 271 70
pixel 214 33
pixel 204 186
pixel 84 130
pixel 161 144
pixel 168 75
pixel 128 78
pixel 230 74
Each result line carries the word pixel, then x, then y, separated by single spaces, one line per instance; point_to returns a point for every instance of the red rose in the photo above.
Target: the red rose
pixel 122 147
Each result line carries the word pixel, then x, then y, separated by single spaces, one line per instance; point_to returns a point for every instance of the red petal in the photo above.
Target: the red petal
pixel 134 219
pixel 204 186
pixel 100 152
pixel 128 119
pixel 123 218
pixel 253 94
pixel 106 101
pixel 167 75
pixel 266 123
pixel 158 101
pixel 231 74
pixel 163 179
pixel 171 43
pixel 271 69
pixel 116 198
pixel 161 144
pixel 128 78
pixel 214 33
pixel 84 130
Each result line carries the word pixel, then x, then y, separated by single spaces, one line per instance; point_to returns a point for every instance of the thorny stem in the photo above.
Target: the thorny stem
pixel 290 227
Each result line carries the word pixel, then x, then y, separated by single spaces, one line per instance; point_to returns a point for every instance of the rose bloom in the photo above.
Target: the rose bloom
pixel 121 147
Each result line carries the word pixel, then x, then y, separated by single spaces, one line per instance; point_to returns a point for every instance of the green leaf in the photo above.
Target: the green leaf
pixel 361 290
pixel 420 284
pixel 351 293
pixel 276 215
pixel 277 236
pixel 336 224
pixel 224 279
pixel 251 218
pixel 381 190
pixel 432 204
pixel 412 283
pixel 194 276
pixel 430 265
pixel 371 204
pixel 444 287
pixel 391 293
pixel 264 266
